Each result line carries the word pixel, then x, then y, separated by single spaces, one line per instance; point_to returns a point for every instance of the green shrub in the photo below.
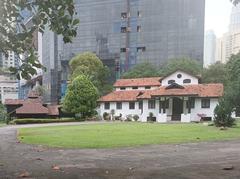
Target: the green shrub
pixel 94 118
pixel 223 115
pixel 40 121
pixel 129 118
pixel 106 116
pixel 151 117
pixel 136 118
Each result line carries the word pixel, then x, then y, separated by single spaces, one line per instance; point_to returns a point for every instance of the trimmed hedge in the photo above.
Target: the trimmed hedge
pixel 41 121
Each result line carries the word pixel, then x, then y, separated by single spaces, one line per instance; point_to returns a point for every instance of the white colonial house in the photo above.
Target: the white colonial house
pixel 176 97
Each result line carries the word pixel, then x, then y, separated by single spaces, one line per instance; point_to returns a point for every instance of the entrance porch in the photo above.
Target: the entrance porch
pixel 170 109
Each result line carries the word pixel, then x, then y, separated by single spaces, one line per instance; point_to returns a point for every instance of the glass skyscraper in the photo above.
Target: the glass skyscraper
pixel 128 32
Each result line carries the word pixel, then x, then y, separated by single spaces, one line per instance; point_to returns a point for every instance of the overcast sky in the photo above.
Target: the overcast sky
pixel 218 15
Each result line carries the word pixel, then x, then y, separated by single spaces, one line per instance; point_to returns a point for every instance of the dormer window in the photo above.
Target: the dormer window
pixel 171 82
pixel 122 88
pixel 148 87
pixel 135 87
pixel 187 81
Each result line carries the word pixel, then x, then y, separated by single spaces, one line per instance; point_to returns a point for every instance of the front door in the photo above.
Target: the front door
pixel 177 109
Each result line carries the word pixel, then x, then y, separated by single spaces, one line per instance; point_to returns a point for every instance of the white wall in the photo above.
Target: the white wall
pixel 179 81
pixel 124 111
pixel 139 88
pixel 208 112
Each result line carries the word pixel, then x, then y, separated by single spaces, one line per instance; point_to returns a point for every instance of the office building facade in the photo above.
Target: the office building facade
pixel 124 33
pixel 209 48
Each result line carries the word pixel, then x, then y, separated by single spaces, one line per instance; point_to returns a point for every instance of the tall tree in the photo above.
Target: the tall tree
pixel 232 88
pixel 233 67
pixel 90 65
pixel 186 64
pixel 81 97
pixel 141 71
pixel 215 73
pixel 58 15
pixel 231 99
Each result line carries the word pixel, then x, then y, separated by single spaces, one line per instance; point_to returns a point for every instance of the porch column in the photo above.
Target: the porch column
pixel 189 106
pixel 185 109
pixel 164 105
pixel 160 106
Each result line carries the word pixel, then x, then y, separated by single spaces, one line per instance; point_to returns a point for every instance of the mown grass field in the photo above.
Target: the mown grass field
pixel 115 135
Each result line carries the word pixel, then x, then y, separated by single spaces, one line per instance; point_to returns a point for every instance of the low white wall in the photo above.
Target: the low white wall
pixel 186 118
pixel 162 118
pixel 208 112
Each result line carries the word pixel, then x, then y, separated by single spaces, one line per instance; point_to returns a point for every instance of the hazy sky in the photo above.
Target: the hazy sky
pixel 218 15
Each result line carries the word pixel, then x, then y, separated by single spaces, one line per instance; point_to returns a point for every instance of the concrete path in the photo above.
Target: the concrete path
pixel 186 161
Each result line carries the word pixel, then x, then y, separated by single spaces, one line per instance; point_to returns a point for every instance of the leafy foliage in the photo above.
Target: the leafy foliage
pixel 141 71
pixel 3 113
pixel 215 73
pixel 223 114
pixel 186 64
pixel 231 100
pixel 81 97
pixel 90 65
pixel 17 36
pixel 149 70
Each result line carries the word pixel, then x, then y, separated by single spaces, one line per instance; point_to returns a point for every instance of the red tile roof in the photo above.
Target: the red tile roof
pixel 121 96
pixel 53 110
pixel 201 90
pixel 155 81
pixel 32 108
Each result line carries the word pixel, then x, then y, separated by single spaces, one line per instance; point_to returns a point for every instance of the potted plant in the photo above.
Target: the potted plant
pixel 151 118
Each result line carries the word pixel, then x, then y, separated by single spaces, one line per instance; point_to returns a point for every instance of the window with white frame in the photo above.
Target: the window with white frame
pixel 119 105
pixel 151 104
pixel 206 103
pixel 131 105
pixel 107 106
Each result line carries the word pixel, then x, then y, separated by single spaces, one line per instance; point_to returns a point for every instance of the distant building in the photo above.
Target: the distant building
pixel 124 33
pixel 229 43
pixel 8 87
pixel 32 107
pixel 176 97
pixel 8 60
pixel 209 48
pixel 220 54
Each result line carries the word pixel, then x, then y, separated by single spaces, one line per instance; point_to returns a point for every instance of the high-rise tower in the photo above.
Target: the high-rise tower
pixel 124 33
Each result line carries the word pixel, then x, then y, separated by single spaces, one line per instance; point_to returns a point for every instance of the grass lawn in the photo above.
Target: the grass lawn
pixel 114 135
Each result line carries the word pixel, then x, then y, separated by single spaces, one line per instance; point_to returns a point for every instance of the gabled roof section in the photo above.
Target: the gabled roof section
pixel 32 108
pixel 137 82
pixel 201 90
pixel 180 70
